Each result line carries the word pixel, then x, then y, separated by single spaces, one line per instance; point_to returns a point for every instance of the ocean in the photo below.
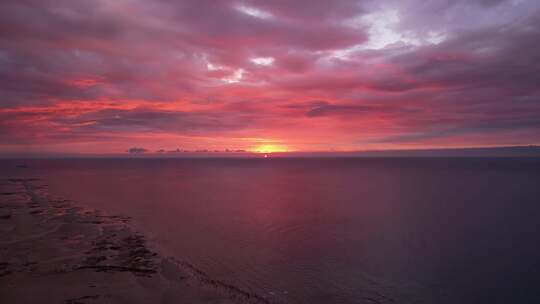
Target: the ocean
pixel 328 230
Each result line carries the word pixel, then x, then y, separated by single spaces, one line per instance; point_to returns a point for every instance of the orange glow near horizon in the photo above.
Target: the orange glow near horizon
pixel 270 148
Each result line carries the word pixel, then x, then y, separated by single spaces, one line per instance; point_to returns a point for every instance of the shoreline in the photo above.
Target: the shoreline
pixel 54 251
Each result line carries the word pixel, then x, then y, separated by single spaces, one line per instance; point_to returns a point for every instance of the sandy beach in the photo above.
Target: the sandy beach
pixel 54 251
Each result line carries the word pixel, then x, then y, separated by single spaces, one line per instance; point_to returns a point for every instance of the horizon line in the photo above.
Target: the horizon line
pixel 510 150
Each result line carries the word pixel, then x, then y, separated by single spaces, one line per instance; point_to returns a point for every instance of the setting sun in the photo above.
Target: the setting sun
pixel 270 149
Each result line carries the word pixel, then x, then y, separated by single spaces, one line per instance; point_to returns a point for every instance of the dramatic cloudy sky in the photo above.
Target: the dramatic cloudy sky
pixel 102 76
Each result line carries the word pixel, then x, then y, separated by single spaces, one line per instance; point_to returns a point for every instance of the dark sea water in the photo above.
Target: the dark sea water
pixel 349 230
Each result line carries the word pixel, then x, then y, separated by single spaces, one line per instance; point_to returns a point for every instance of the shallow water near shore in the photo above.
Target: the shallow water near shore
pixel 349 230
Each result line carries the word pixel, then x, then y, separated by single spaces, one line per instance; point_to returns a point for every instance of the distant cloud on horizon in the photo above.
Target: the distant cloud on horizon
pixel 136 150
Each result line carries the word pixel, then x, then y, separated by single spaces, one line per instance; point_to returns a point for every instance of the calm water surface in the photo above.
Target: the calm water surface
pixel 362 230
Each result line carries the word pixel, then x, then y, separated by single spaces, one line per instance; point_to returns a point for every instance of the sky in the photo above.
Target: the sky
pixel 267 75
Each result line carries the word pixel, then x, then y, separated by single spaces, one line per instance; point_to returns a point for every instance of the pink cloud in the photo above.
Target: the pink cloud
pixel 184 73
